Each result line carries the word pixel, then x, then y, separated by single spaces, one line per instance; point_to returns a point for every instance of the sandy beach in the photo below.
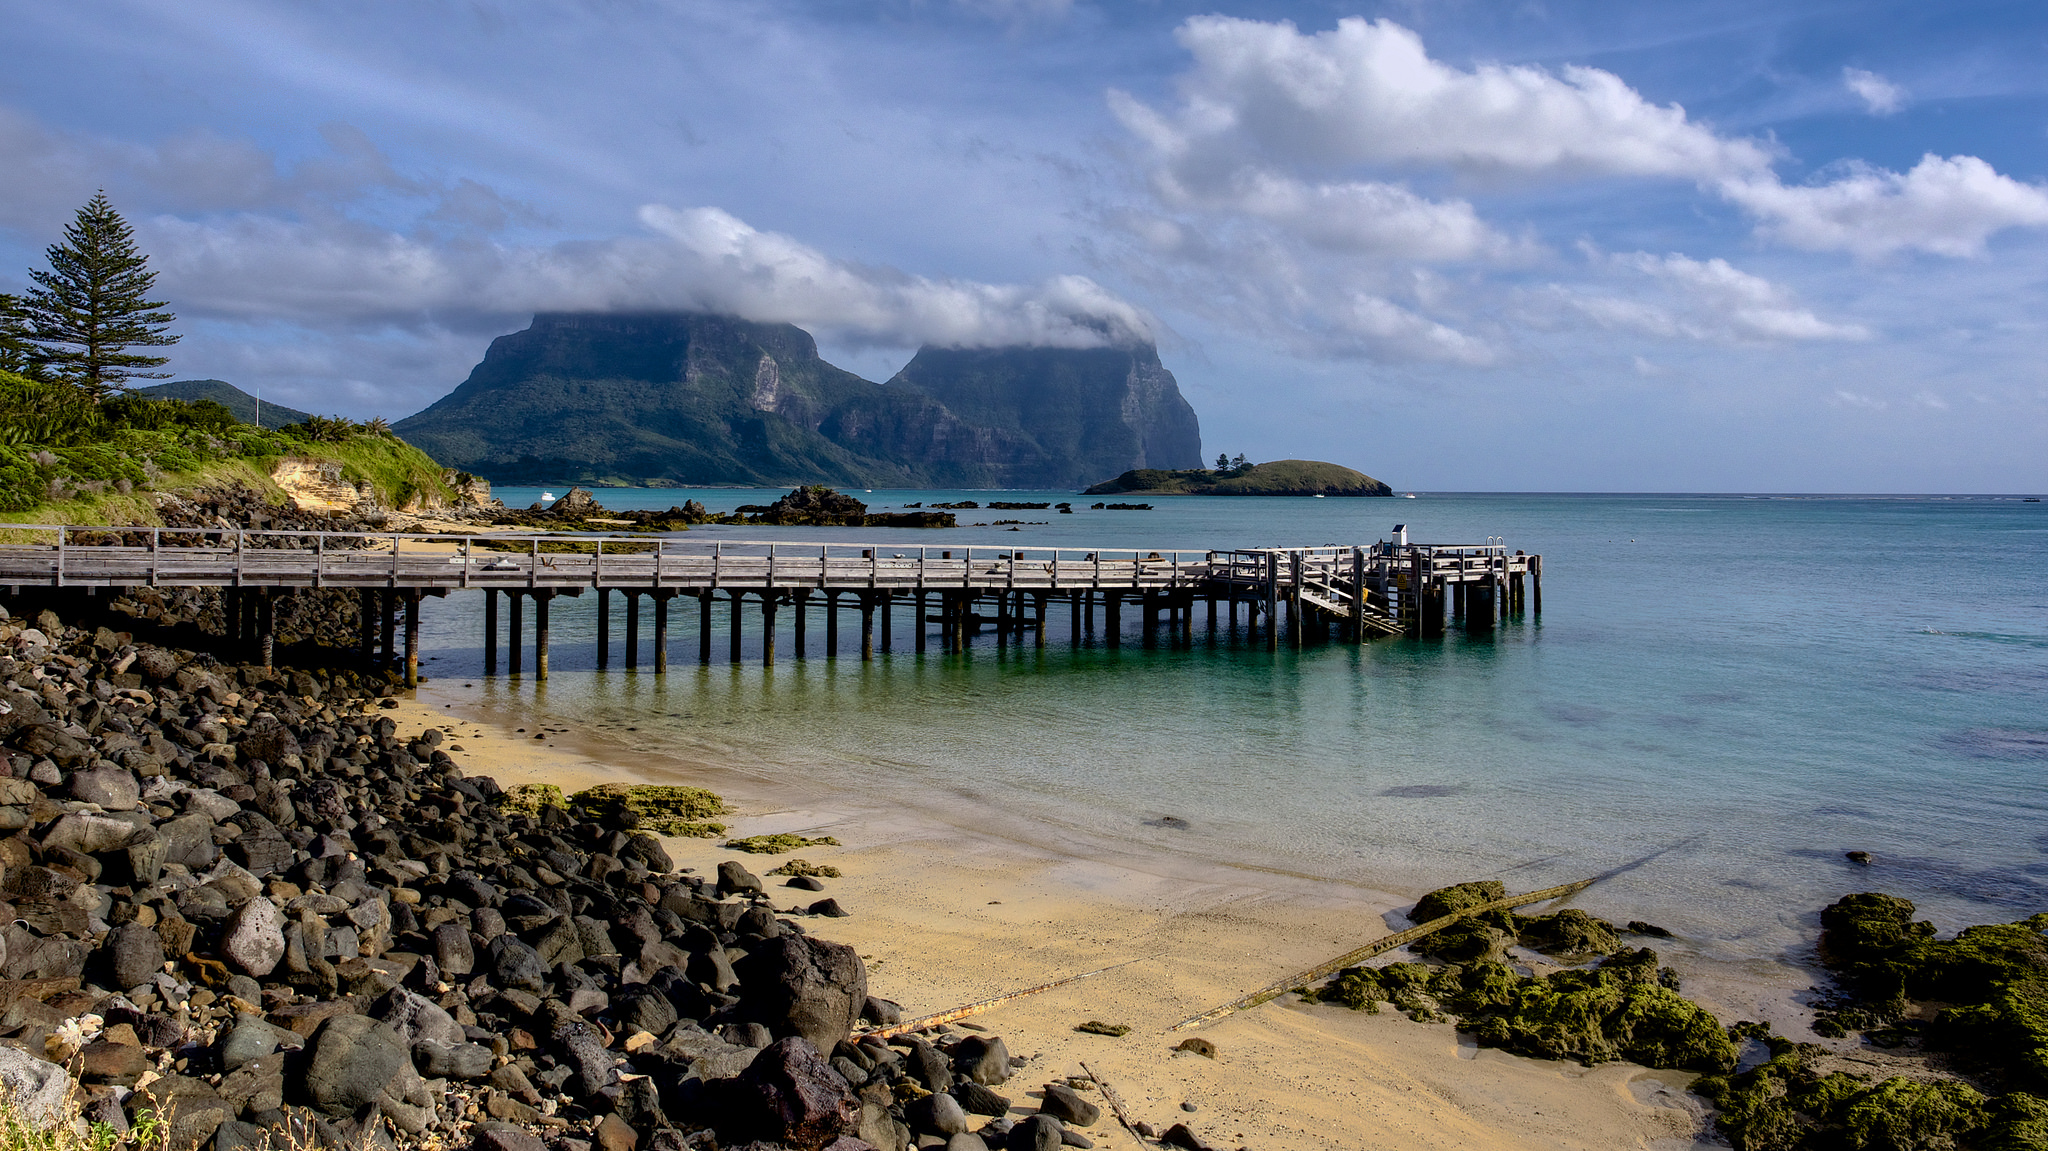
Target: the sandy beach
pixel 946 915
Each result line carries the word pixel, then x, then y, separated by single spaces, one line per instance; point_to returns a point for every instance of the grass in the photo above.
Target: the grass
pixel 138 506
pixel 20 1131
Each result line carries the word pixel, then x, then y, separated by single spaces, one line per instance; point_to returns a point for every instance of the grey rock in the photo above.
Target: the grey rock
pixel 416 1018
pixel 966 1141
pixel 254 938
pixel 1040 1132
pixel 438 1060
pixel 516 966
pixel 352 1060
pixel 797 985
pixel 1065 1104
pixel 38 1088
pixel 595 1071
pixel 984 1059
pixel 505 1137
pixel 978 1100
pixel 89 834
pixel 113 788
pixel 939 1115
pixel 796 1098
pixel 134 953
pixel 733 878
pixel 253 1038
pixel 452 949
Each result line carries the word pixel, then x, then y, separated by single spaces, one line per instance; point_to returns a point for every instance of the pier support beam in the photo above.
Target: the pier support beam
pixel 366 621
pixel 632 630
pixel 604 627
pixel 704 599
pixel 266 626
pixel 831 625
pixel 888 619
pixel 921 622
pixel 1272 601
pixel 412 639
pixel 768 628
pixel 1088 611
pixel 515 641
pixel 1478 606
pixel 490 631
pixel 661 599
pixel 867 628
pixel 800 610
pixel 541 600
pixel 1536 582
pixel 1112 619
pixel 1038 615
pixel 387 622
pixel 738 605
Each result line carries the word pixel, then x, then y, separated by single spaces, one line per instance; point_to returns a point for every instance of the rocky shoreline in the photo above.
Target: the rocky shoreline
pixel 242 902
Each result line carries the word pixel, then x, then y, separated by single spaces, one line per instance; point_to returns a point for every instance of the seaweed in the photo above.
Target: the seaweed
pixel 1098 1027
pixel 665 809
pixel 1787 1104
pixel 776 844
pixel 530 798
pixel 1570 933
pixel 800 867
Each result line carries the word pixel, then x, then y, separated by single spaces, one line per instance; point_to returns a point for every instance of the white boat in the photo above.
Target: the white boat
pixel 1407 495
pixel 1319 495
pixel 547 495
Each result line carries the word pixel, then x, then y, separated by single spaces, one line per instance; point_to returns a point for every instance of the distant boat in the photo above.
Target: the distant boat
pixel 547 495
pixel 1320 496
pixel 1407 495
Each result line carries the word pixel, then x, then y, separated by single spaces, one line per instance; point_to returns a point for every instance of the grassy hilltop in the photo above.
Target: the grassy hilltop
pixel 1279 478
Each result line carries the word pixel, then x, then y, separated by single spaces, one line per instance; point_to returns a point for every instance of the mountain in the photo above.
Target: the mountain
pixel 1279 478
pixel 242 404
pixel 1078 412
pixel 688 398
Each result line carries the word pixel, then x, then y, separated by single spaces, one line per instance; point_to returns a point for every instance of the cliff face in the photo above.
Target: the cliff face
pixel 1071 415
pixel 671 398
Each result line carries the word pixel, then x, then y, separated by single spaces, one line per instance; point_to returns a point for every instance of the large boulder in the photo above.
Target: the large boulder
pixel 353 1058
pixel 795 1096
pixel 797 985
pixel 35 1087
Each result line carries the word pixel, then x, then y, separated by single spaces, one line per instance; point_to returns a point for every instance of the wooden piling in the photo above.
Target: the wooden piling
pixel 1088 611
pixel 266 626
pixel 1113 618
pixel 768 629
pixel 704 625
pixel 867 628
pixel 799 618
pixel 387 622
pixel 1272 601
pixel 661 599
pixel 412 639
pixel 514 642
pixel 831 625
pixel 736 602
pixel 921 621
pixel 541 599
pixel 888 619
pixel 1038 615
pixel 604 627
pixel 632 630
pixel 490 631
pixel 366 627
pixel 1294 602
pixel 1536 583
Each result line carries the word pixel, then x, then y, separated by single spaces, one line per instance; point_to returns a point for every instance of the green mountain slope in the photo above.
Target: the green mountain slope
pixel 241 403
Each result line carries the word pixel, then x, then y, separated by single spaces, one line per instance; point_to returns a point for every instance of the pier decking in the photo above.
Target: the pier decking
pixel 1363 591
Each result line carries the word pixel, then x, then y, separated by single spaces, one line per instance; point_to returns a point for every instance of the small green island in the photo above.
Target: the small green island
pixel 1279 478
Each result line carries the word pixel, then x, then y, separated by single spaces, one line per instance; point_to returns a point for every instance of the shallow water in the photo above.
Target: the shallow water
pixel 1723 694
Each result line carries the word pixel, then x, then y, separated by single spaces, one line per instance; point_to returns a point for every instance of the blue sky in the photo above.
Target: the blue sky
pixel 1562 246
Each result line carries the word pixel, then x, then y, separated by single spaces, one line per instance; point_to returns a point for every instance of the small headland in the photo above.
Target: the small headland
pixel 1279 478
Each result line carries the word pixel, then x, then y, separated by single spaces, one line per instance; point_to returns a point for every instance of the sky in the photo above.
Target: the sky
pixel 1558 245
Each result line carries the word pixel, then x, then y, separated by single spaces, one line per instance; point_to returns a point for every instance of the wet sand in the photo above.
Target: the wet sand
pixel 945 914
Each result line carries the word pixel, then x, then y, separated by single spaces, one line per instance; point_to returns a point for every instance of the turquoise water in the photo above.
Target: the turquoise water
pixel 1728 692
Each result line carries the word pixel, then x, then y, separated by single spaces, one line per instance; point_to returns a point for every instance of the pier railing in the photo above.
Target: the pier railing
pixel 1376 589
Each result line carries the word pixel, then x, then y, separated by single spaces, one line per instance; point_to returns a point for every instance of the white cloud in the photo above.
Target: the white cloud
pixel 1947 207
pixel 1706 300
pixel 1361 217
pixel 1844 398
pixel 1879 95
pixel 1368 93
pixel 1387 330
pixel 338 273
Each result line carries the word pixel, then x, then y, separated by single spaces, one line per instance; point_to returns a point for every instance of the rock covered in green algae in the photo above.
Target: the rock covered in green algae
pixel 1570 934
pixel 1623 1009
pixel 665 809
pixel 1788 1104
pixel 777 844
pixel 530 798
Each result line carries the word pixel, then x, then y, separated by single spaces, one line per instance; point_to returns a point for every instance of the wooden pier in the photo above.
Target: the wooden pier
pixel 1359 592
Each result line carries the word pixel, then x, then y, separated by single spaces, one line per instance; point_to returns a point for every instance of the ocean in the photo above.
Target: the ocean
pixel 1722 696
